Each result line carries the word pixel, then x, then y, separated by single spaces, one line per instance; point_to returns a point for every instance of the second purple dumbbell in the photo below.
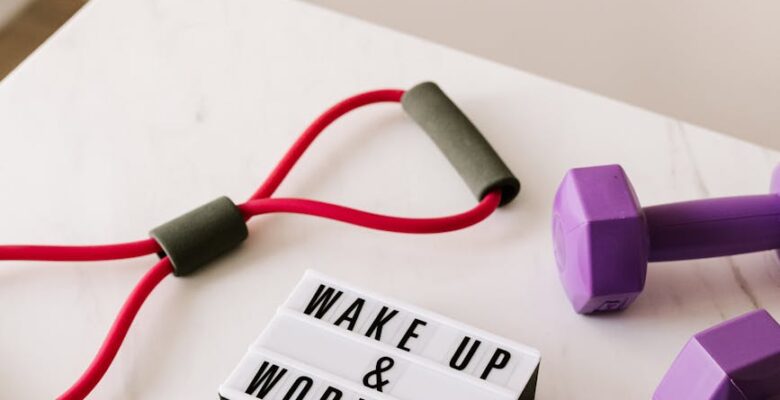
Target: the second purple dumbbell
pixel 604 239
pixel 735 360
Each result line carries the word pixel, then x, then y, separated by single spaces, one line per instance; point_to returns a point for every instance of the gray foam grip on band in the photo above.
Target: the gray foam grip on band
pixel 201 235
pixel 460 141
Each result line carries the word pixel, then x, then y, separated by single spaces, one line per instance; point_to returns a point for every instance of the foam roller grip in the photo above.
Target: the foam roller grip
pixel 201 235
pixel 460 141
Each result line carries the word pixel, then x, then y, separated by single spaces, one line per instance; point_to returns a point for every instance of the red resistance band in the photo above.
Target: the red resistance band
pixel 261 202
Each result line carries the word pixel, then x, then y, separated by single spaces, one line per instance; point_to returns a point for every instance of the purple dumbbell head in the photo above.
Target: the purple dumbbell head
pixel 775 187
pixel 600 237
pixel 603 239
pixel 735 360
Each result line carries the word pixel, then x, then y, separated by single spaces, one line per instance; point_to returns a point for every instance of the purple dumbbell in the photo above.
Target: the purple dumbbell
pixel 604 239
pixel 735 360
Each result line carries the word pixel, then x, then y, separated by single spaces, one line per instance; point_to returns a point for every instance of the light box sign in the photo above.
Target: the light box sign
pixel 334 342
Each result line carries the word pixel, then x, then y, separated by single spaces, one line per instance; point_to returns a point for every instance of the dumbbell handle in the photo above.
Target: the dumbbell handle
pixel 713 227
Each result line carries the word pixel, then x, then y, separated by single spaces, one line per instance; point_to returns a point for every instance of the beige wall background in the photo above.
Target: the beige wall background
pixel 715 63
pixel 9 9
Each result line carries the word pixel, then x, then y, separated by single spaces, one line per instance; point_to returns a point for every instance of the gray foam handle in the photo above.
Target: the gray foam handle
pixel 460 141
pixel 201 235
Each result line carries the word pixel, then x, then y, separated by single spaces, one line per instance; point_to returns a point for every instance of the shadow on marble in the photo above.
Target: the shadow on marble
pixel 726 286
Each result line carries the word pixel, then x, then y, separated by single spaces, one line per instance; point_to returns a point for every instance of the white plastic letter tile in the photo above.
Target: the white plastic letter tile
pixel 254 374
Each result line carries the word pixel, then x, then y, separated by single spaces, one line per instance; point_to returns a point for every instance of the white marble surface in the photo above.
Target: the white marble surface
pixel 139 110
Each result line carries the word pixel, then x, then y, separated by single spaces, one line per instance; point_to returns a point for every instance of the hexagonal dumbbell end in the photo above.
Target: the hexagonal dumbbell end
pixel 735 360
pixel 601 241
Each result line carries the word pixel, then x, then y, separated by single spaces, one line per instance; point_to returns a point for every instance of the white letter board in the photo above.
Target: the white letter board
pixel 331 341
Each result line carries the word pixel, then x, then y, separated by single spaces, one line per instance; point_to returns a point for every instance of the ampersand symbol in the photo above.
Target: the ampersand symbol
pixel 382 365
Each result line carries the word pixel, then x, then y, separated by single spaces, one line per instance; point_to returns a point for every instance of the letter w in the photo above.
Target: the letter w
pixel 267 377
pixel 322 301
